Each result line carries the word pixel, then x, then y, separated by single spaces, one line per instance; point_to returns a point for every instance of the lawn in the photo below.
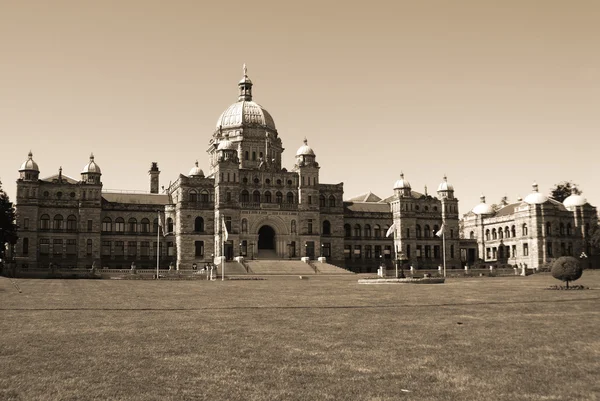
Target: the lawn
pixel 487 338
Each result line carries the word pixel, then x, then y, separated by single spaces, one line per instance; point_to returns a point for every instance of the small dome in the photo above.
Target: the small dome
pixel 29 164
pixel 305 150
pixel 483 208
pixel 226 144
pixel 574 200
pixel 536 198
pixel 402 183
pixel 445 185
pixel 196 171
pixel 91 167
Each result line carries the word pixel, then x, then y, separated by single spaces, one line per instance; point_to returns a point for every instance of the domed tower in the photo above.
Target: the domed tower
pixel 251 128
pixel 91 172
pixel 308 174
pixel 445 189
pixel 402 187
pixel 196 171
pixel 450 221
pixel 29 170
pixel 227 206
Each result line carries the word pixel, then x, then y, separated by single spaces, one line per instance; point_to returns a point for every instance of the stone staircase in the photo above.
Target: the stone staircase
pixel 281 266
pixel 326 268
pixel 232 269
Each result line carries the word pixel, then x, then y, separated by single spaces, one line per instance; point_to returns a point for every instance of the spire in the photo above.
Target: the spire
pixel 92 157
pixel 305 141
pixel 482 198
pixel 535 187
pixel 30 155
pixel 60 173
pixel 401 174
pixel 196 163
pixel 245 86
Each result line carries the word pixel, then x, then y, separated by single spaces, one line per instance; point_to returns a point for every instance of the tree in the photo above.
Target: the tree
pixel 564 189
pixel 8 227
pixel 566 268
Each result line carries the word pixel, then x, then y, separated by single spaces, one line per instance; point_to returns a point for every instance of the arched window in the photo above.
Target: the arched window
pixel 268 197
pixel 347 231
pixel 494 234
pixel 71 223
pixel 331 201
pixel 293 227
pixel 377 231
pixel 169 225
pixel 500 233
pixel 418 231
pixel 506 232
pixel 245 196
pixel 120 225
pixel 290 197
pixel 244 226
pixel 155 226
pixel 436 228
pixel 427 231
pixel 321 200
pixel 199 224
pixel 58 222
pixel 246 155
pixel 513 231
pixel 487 235
pixel 548 228
pixel 367 230
pixel 204 196
pixel 256 197
pixel 357 230
pixel 472 235
pixel 569 229
pixel 132 225
pixel 524 229
pixel 44 222
pixel 145 225
pixel 106 225
pixel 326 227
pixel 278 197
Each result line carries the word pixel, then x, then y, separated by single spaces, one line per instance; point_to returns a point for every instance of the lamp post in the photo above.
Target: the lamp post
pixel 252 250
pixel 306 249
pixel 322 248
pixel 240 249
pixel 289 245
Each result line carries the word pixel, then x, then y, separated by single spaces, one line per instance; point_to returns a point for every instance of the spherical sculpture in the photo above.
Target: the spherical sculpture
pixel 566 268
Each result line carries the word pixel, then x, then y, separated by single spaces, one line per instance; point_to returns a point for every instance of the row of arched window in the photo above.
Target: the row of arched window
pixel 58 222
pixel 502 233
pixel 202 196
pixel 561 229
pixel 357 231
pixel 330 201
pixel 132 226
pixel 266 197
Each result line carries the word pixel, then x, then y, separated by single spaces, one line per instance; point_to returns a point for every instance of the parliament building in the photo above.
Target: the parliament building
pixel 270 212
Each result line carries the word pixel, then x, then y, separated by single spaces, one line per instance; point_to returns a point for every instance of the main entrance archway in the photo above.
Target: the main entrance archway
pixel 266 238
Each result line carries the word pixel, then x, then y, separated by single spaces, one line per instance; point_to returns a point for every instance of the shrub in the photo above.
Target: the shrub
pixel 566 268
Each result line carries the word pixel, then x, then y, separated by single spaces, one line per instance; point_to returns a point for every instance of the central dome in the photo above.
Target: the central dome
pixel 245 112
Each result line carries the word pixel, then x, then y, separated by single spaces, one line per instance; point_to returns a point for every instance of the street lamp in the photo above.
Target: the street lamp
pixel 322 248
pixel 240 249
pixel 306 249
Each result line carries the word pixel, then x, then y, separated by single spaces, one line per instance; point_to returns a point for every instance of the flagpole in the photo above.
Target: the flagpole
pixel 223 250
pixel 158 245
pixel 444 250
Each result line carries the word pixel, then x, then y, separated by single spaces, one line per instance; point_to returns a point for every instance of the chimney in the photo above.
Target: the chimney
pixel 154 172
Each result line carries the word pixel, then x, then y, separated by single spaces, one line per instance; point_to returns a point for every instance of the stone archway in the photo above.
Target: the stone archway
pixel 266 239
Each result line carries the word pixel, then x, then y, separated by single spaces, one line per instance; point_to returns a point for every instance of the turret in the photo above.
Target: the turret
pixel 91 172
pixel 154 172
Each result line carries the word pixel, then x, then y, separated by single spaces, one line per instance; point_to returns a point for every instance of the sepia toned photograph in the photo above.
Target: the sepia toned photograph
pixel 317 200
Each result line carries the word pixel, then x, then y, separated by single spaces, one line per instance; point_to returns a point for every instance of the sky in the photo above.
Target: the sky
pixel 496 95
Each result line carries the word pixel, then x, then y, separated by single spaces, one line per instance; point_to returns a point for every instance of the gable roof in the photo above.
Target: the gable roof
pixel 64 177
pixel 367 207
pixel 366 197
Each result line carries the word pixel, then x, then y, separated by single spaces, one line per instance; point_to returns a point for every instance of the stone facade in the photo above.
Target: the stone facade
pixel 268 212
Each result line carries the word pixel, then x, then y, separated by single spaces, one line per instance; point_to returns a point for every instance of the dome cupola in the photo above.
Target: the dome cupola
pixel 196 171
pixel 226 144
pixel 305 150
pixel 483 208
pixel 91 172
pixel 29 169
pixel 402 186
pixel 574 200
pixel 445 189
pixel 535 197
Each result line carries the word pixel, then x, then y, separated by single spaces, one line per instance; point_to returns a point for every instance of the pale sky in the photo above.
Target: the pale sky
pixel 493 94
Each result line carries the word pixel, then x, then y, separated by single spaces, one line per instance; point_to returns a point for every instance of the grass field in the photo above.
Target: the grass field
pixel 290 339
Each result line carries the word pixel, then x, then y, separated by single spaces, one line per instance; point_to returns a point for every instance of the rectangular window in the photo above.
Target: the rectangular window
pixel 160 249
pixel 119 248
pixel 419 251
pixel 408 233
pixel 452 251
pixel 90 226
pixel 387 252
pixel 377 251
pixel 451 233
pixel 25 224
pixel 514 251
pixel 57 247
pixel 310 226
pixel 25 246
pixel 131 248
pixel 488 253
pixel 44 246
pixel 199 245
pixel 170 249
pixel 428 251
pixel 368 252
pixel 357 253
pixel 408 251
pixel 89 247
pixel 105 248
pixel 228 223
pixel 71 247
pixel 494 253
pixel 525 249
pixel 347 251
pixel 309 200
pixel 145 249
pixel 436 251
pixel 327 249
pixel 549 249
